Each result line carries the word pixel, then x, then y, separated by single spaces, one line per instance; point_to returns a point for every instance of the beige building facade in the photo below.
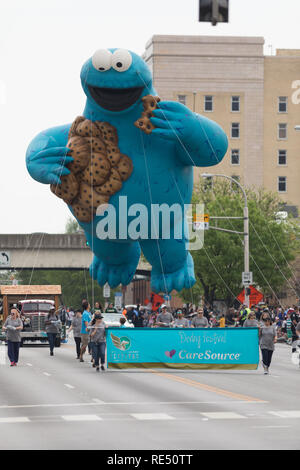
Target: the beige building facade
pixel 255 98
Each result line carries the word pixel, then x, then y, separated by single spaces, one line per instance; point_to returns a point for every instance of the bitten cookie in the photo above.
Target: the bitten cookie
pixel 149 104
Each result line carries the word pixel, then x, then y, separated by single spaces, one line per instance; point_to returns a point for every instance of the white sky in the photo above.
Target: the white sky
pixel 43 44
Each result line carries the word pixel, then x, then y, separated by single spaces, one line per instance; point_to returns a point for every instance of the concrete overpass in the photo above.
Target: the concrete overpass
pixel 49 251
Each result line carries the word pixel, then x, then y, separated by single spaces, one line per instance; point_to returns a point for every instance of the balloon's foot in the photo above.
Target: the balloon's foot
pixel 113 274
pixel 183 278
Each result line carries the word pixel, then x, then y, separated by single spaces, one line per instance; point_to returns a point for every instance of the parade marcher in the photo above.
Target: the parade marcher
pixel 244 312
pixel 99 340
pixel 52 324
pixel 111 309
pixel 199 320
pixel 13 326
pixel 222 321
pixel 122 322
pixel 138 319
pixel 76 327
pixel 180 321
pixel 251 321
pixel 267 339
pixel 85 320
pixel 165 318
pixel 294 322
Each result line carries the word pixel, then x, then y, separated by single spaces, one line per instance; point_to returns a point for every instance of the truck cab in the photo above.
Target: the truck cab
pixel 33 314
pixel 33 302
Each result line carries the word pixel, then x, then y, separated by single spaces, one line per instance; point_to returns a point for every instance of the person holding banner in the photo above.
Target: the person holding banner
pixel 200 321
pixel 180 321
pixel 165 318
pixel 267 340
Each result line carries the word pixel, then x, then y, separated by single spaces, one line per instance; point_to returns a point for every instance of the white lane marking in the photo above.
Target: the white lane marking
pixel 69 386
pixel 146 416
pixel 2 355
pixel 81 418
pixel 100 402
pixel 21 419
pixel 269 427
pixel 223 415
pixel 47 374
pixel 28 364
pixel 286 414
pixel 127 403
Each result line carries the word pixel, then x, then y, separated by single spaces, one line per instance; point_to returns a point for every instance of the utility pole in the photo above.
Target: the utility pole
pixel 246 273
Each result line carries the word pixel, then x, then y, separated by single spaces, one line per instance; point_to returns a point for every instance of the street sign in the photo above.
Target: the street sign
pixel 118 299
pixel 200 225
pixel 254 298
pixel 106 291
pixel 4 258
pixel 201 221
pixel 247 278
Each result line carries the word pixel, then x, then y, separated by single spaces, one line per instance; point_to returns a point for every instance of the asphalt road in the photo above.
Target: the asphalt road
pixel 58 403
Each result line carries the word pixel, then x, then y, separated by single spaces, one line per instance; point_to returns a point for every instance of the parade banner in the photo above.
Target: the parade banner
pixel 183 348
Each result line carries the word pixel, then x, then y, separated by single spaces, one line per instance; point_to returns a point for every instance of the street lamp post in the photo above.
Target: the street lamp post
pixel 246 225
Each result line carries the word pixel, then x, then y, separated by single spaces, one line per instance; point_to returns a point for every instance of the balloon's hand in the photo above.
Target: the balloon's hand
pixel 48 165
pixel 173 121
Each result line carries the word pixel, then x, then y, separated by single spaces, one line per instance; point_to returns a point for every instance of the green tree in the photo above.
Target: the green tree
pixel 72 226
pixel 219 264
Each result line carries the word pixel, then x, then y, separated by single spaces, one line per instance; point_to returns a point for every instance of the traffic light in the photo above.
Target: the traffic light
pixel 214 11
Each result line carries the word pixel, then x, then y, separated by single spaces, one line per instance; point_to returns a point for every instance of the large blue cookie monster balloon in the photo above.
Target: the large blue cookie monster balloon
pixel 125 153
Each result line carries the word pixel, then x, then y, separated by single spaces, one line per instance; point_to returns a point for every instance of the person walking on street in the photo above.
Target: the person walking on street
pixel 251 321
pixel 76 327
pixel 85 320
pixel 267 340
pixel 294 322
pixel 98 336
pixel 199 320
pixel 52 324
pixel 13 326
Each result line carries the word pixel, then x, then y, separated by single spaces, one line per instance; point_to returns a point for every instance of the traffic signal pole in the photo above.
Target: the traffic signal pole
pixel 246 228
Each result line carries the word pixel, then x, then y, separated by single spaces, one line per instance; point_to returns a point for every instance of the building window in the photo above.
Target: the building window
pixel 235 130
pixel 282 104
pixel 235 104
pixel 208 103
pixel 282 131
pixel 282 157
pixel 182 99
pixel 282 184
pixel 235 157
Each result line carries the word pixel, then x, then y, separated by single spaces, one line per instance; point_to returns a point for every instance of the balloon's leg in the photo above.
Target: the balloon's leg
pixel 172 265
pixel 114 262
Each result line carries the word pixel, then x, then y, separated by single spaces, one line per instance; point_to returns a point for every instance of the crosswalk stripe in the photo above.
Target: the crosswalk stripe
pixel 81 418
pixel 155 416
pixel 286 414
pixel 223 415
pixel 20 419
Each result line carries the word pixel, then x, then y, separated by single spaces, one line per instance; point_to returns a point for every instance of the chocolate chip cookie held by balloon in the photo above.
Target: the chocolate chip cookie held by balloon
pixel 128 148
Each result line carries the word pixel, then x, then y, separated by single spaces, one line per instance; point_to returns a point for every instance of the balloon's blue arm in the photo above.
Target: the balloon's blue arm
pixel 199 141
pixel 46 156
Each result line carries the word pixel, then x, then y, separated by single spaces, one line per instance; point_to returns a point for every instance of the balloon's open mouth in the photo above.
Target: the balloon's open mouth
pixel 115 99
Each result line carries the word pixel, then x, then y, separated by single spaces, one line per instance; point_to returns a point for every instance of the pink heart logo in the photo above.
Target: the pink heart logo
pixel 170 354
